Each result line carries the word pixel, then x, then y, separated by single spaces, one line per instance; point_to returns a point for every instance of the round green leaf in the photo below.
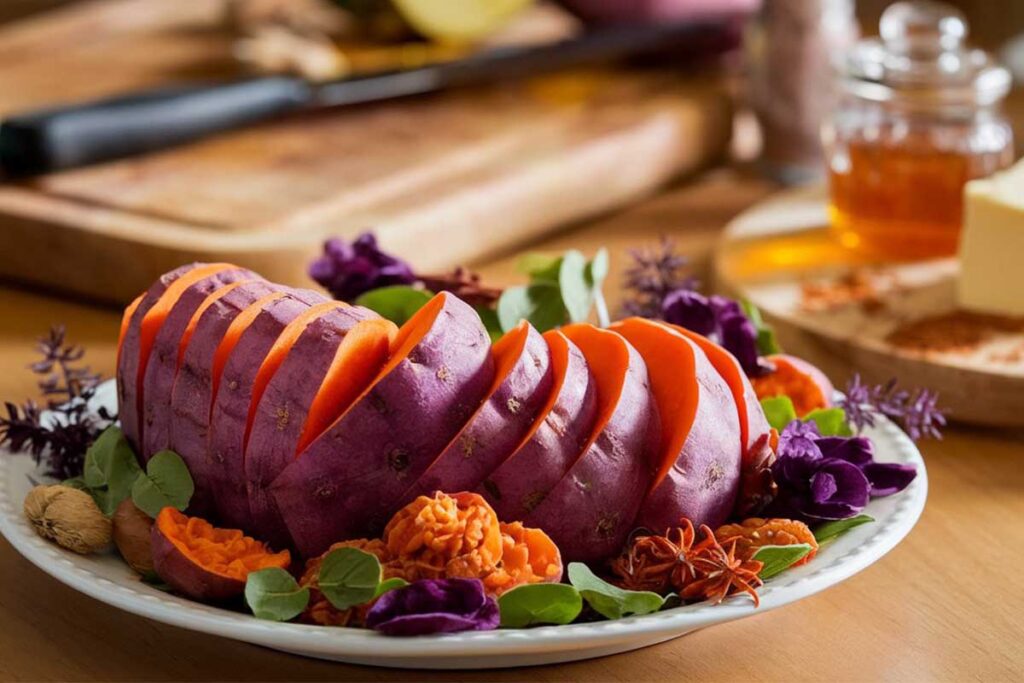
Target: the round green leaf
pixel 539 603
pixel 779 410
pixel 540 304
pixel 275 595
pixel 110 469
pixel 611 601
pixel 397 303
pixel 349 577
pixel 597 269
pixel 165 483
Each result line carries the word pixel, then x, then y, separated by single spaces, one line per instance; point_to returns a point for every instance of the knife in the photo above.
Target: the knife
pixel 81 134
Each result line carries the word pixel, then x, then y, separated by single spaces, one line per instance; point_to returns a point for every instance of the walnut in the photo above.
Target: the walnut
pixel 69 517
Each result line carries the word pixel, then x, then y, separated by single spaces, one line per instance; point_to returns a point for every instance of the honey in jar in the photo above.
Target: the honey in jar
pixel 918 119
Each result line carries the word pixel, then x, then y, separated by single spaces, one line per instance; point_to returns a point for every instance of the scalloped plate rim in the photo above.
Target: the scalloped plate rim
pixel 836 562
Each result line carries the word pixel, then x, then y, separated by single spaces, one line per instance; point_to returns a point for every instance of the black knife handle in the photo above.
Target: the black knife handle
pixel 64 137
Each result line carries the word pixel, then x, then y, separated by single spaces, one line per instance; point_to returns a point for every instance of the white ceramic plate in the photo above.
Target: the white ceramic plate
pixel 108 579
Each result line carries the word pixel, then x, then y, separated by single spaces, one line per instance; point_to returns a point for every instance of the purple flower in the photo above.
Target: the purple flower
pixel 720 319
pixel 918 413
pixel 820 478
pixel 655 273
pixel 349 270
pixel 434 606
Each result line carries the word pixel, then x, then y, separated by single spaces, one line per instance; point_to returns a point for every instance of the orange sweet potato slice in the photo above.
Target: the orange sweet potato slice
pixel 206 563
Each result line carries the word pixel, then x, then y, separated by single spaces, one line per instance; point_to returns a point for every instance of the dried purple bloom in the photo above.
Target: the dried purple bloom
pixel 829 477
pixel 62 439
pixel 721 320
pixel 918 413
pixel 434 606
pixel 349 270
pixel 655 273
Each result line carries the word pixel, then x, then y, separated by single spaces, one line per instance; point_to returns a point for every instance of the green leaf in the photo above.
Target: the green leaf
pixel 597 269
pixel 611 601
pixel 779 558
pixel 489 317
pixel 540 304
pixel 540 267
pixel 779 410
pixel 274 594
pixel 539 603
pixel 830 530
pixel 110 469
pixel 577 294
pixel 75 483
pixel 349 577
pixel 397 303
pixel 767 344
pixel 389 585
pixel 830 421
pixel 166 483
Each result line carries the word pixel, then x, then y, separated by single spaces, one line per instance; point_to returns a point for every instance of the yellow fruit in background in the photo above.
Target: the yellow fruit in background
pixel 458 21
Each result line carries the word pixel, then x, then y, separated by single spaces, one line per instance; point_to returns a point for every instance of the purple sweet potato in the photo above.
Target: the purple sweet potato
pixel 241 383
pixel 194 384
pixel 281 414
pixel 348 482
pixel 523 382
pixel 128 352
pixel 697 471
pixel 558 435
pixel 159 373
pixel 590 512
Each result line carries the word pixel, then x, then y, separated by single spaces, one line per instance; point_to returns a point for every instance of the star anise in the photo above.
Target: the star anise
pixel 718 573
pixel 656 563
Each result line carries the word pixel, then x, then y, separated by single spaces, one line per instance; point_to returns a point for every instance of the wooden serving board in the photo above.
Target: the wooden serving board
pixel 848 315
pixel 442 180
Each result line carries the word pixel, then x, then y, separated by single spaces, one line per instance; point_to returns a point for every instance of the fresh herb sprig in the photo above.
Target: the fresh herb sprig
pixel 916 412
pixel 58 432
pixel 655 273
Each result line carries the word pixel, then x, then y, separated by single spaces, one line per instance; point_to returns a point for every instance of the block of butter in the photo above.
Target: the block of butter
pixel 992 244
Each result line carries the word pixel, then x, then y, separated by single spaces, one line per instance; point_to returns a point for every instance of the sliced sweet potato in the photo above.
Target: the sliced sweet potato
pixel 162 365
pixel 195 383
pixel 590 512
pixel 210 300
pixel 128 350
pixel 206 563
pixel 330 364
pixel 698 466
pixel 556 438
pixel 348 481
pixel 523 381
pixel 252 363
pixel 126 318
pixel 753 424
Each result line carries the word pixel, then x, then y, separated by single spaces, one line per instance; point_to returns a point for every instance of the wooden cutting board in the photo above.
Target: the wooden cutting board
pixel 882 320
pixel 442 179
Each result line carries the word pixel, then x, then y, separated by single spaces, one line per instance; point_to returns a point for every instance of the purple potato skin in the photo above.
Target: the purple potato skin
pixel 704 481
pixel 128 358
pixel 528 475
pixel 281 415
pixel 590 512
pixel 193 390
pixel 230 413
pixel 347 483
pixel 160 372
pixel 187 577
pixel 497 428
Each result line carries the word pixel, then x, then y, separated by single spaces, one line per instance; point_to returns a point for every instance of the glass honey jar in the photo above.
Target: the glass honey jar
pixel 918 117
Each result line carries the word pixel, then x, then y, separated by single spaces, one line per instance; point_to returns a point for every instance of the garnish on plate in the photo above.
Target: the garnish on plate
pixel 916 411
pixel 57 440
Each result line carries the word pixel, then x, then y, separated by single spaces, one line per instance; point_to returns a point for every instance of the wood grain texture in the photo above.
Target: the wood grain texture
pixel 942 606
pixel 445 178
pixel 773 251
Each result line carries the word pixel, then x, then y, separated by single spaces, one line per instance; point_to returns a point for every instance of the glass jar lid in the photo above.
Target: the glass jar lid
pixel 921 60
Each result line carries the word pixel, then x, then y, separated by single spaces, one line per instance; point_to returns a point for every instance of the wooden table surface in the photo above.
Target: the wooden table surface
pixel 944 605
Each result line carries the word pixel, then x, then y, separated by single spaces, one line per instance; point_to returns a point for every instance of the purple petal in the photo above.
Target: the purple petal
pixel 690 310
pixel 889 478
pixel 823 487
pixel 799 440
pixel 855 450
pixel 739 337
pixel 434 606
